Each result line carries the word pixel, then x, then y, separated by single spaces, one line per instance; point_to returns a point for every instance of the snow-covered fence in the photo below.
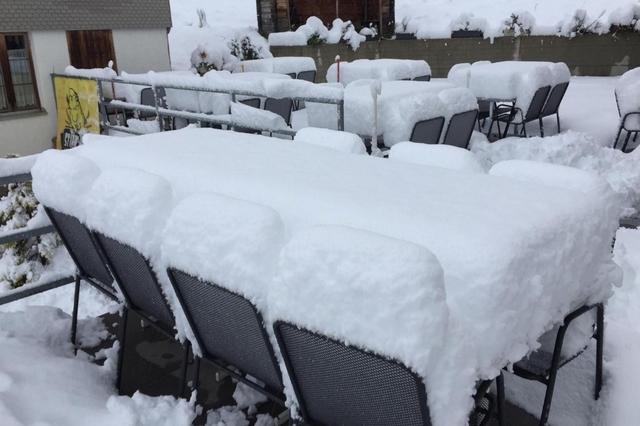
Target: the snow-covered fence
pixel 296 90
pixel 9 176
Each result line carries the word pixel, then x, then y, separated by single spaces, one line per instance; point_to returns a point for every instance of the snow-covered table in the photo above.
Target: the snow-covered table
pixel 280 65
pixel 379 69
pixel 516 256
pixel 400 105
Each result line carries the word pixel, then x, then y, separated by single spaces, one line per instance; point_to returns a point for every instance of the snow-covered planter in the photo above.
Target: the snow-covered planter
pixel 519 24
pixel 580 24
pixel 625 19
pixel 467 25
pixel 213 56
pixel 314 33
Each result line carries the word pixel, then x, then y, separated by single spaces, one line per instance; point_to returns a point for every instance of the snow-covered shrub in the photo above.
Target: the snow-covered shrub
pixel 22 262
pixel 579 24
pixel 625 19
pixel 245 50
pixel 468 22
pixel 314 33
pixel 213 56
pixel 519 23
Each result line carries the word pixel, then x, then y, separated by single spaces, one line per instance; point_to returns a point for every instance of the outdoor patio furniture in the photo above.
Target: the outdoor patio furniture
pixel 428 131
pixel 629 125
pixel 254 103
pixel 517 117
pixel 552 106
pixel 352 386
pixel 282 107
pixel 423 78
pixel 142 293
pixel 230 331
pixel 309 76
pixel 90 266
pixel 460 129
pixel 543 366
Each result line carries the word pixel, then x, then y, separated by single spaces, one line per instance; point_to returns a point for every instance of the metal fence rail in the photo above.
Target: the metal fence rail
pixel 199 117
pixel 23 234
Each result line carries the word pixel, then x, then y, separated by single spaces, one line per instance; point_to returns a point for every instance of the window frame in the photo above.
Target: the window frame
pixel 8 79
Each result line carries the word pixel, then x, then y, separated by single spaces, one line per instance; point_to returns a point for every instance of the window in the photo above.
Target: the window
pixel 18 89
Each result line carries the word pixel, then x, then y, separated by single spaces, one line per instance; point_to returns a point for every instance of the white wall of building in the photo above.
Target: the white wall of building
pixel 137 51
pixel 29 133
pixel 140 51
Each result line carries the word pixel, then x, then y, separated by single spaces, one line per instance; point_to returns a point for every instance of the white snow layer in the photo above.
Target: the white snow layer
pixel 331 281
pixel 62 181
pixel 449 157
pixel 17 166
pixel 226 241
pixel 628 96
pixel 245 115
pixel 340 141
pixel 378 69
pixel 280 65
pixel 314 27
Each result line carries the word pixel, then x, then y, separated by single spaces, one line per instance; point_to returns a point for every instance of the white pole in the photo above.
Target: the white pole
pixel 376 89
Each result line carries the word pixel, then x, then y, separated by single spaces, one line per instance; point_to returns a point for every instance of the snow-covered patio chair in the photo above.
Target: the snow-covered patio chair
pixel 629 122
pixel 517 117
pixel 427 131
pixel 309 76
pixel 542 366
pixel 282 107
pixel 126 212
pixel 460 129
pixel 220 264
pixel 358 350
pixel 552 106
pixel 423 78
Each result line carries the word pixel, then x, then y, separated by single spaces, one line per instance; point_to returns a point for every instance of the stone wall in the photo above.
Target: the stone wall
pixel 593 55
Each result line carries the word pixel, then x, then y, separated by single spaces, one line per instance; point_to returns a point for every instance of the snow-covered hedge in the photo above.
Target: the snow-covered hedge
pixel 314 32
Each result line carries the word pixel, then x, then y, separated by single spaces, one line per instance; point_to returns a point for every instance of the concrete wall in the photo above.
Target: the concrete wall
pixel 139 51
pixel 587 55
pixel 31 132
pixel 28 133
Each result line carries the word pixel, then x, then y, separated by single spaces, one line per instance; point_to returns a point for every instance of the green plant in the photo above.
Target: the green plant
pixel 244 50
pixel 316 40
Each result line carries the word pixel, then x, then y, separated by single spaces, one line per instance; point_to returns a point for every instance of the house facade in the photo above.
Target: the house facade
pixel 285 15
pixel 41 37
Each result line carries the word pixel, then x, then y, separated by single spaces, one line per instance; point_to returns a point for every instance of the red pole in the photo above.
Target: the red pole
pixel 338 62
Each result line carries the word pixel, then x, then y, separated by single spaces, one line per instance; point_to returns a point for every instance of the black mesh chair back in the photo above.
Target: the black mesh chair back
pixel 162 94
pixel 136 278
pixel 428 131
pixel 81 246
pixel 253 102
pixel 423 78
pixel 555 98
pixel 537 103
pixel 292 75
pixel 282 107
pixel 460 129
pixel 337 384
pixel 227 326
pixel 147 98
pixel 309 76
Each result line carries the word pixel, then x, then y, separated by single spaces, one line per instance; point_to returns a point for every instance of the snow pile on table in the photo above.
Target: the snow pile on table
pixel 331 281
pixel 280 65
pixel 512 269
pixel 349 143
pixel 628 95
pixel 62 181
pixel 403 114
pixel 449 157
pixel 42 382
pixel 509 80
pixel 226 241
pixel 314 32
pixel 379 69
pixel 438 18
pixel 17 166
pixel 572 149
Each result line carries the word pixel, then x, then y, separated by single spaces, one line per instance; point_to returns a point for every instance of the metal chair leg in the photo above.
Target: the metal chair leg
pixel 553 373
pixel 74 316
pixel 615 142
pixel 196 373
pixel 599 347
pixel 122 331
pixel 558 120
pixel 500 386
pixel 183 369
pixel 626 142
pixel 541 127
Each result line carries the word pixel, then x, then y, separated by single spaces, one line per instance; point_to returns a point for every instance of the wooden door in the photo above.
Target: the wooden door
pixel 91 49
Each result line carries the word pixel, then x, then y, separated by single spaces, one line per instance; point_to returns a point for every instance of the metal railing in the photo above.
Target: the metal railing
pixel 199 117
pixel 23 234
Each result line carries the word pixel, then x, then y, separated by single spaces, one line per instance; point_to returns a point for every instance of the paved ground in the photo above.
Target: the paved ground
pixel 152 365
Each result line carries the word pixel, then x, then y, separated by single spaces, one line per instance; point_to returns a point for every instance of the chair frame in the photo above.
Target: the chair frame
pixel 549 379
pixel 272 394
pixel 544 113
pixel 513 113
pixel 422 395
pixel 128 305
pixel 468 138
pixel 621 127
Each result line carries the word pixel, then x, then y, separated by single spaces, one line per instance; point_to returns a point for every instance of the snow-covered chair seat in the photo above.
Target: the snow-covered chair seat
pixel 628 100
pixel 358 336
pixel 126 210
pixel 61 182
pixel 221 254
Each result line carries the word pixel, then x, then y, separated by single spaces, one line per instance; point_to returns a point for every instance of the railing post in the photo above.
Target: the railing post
pixel 101 105
pixel 158 104
pixel 341 115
